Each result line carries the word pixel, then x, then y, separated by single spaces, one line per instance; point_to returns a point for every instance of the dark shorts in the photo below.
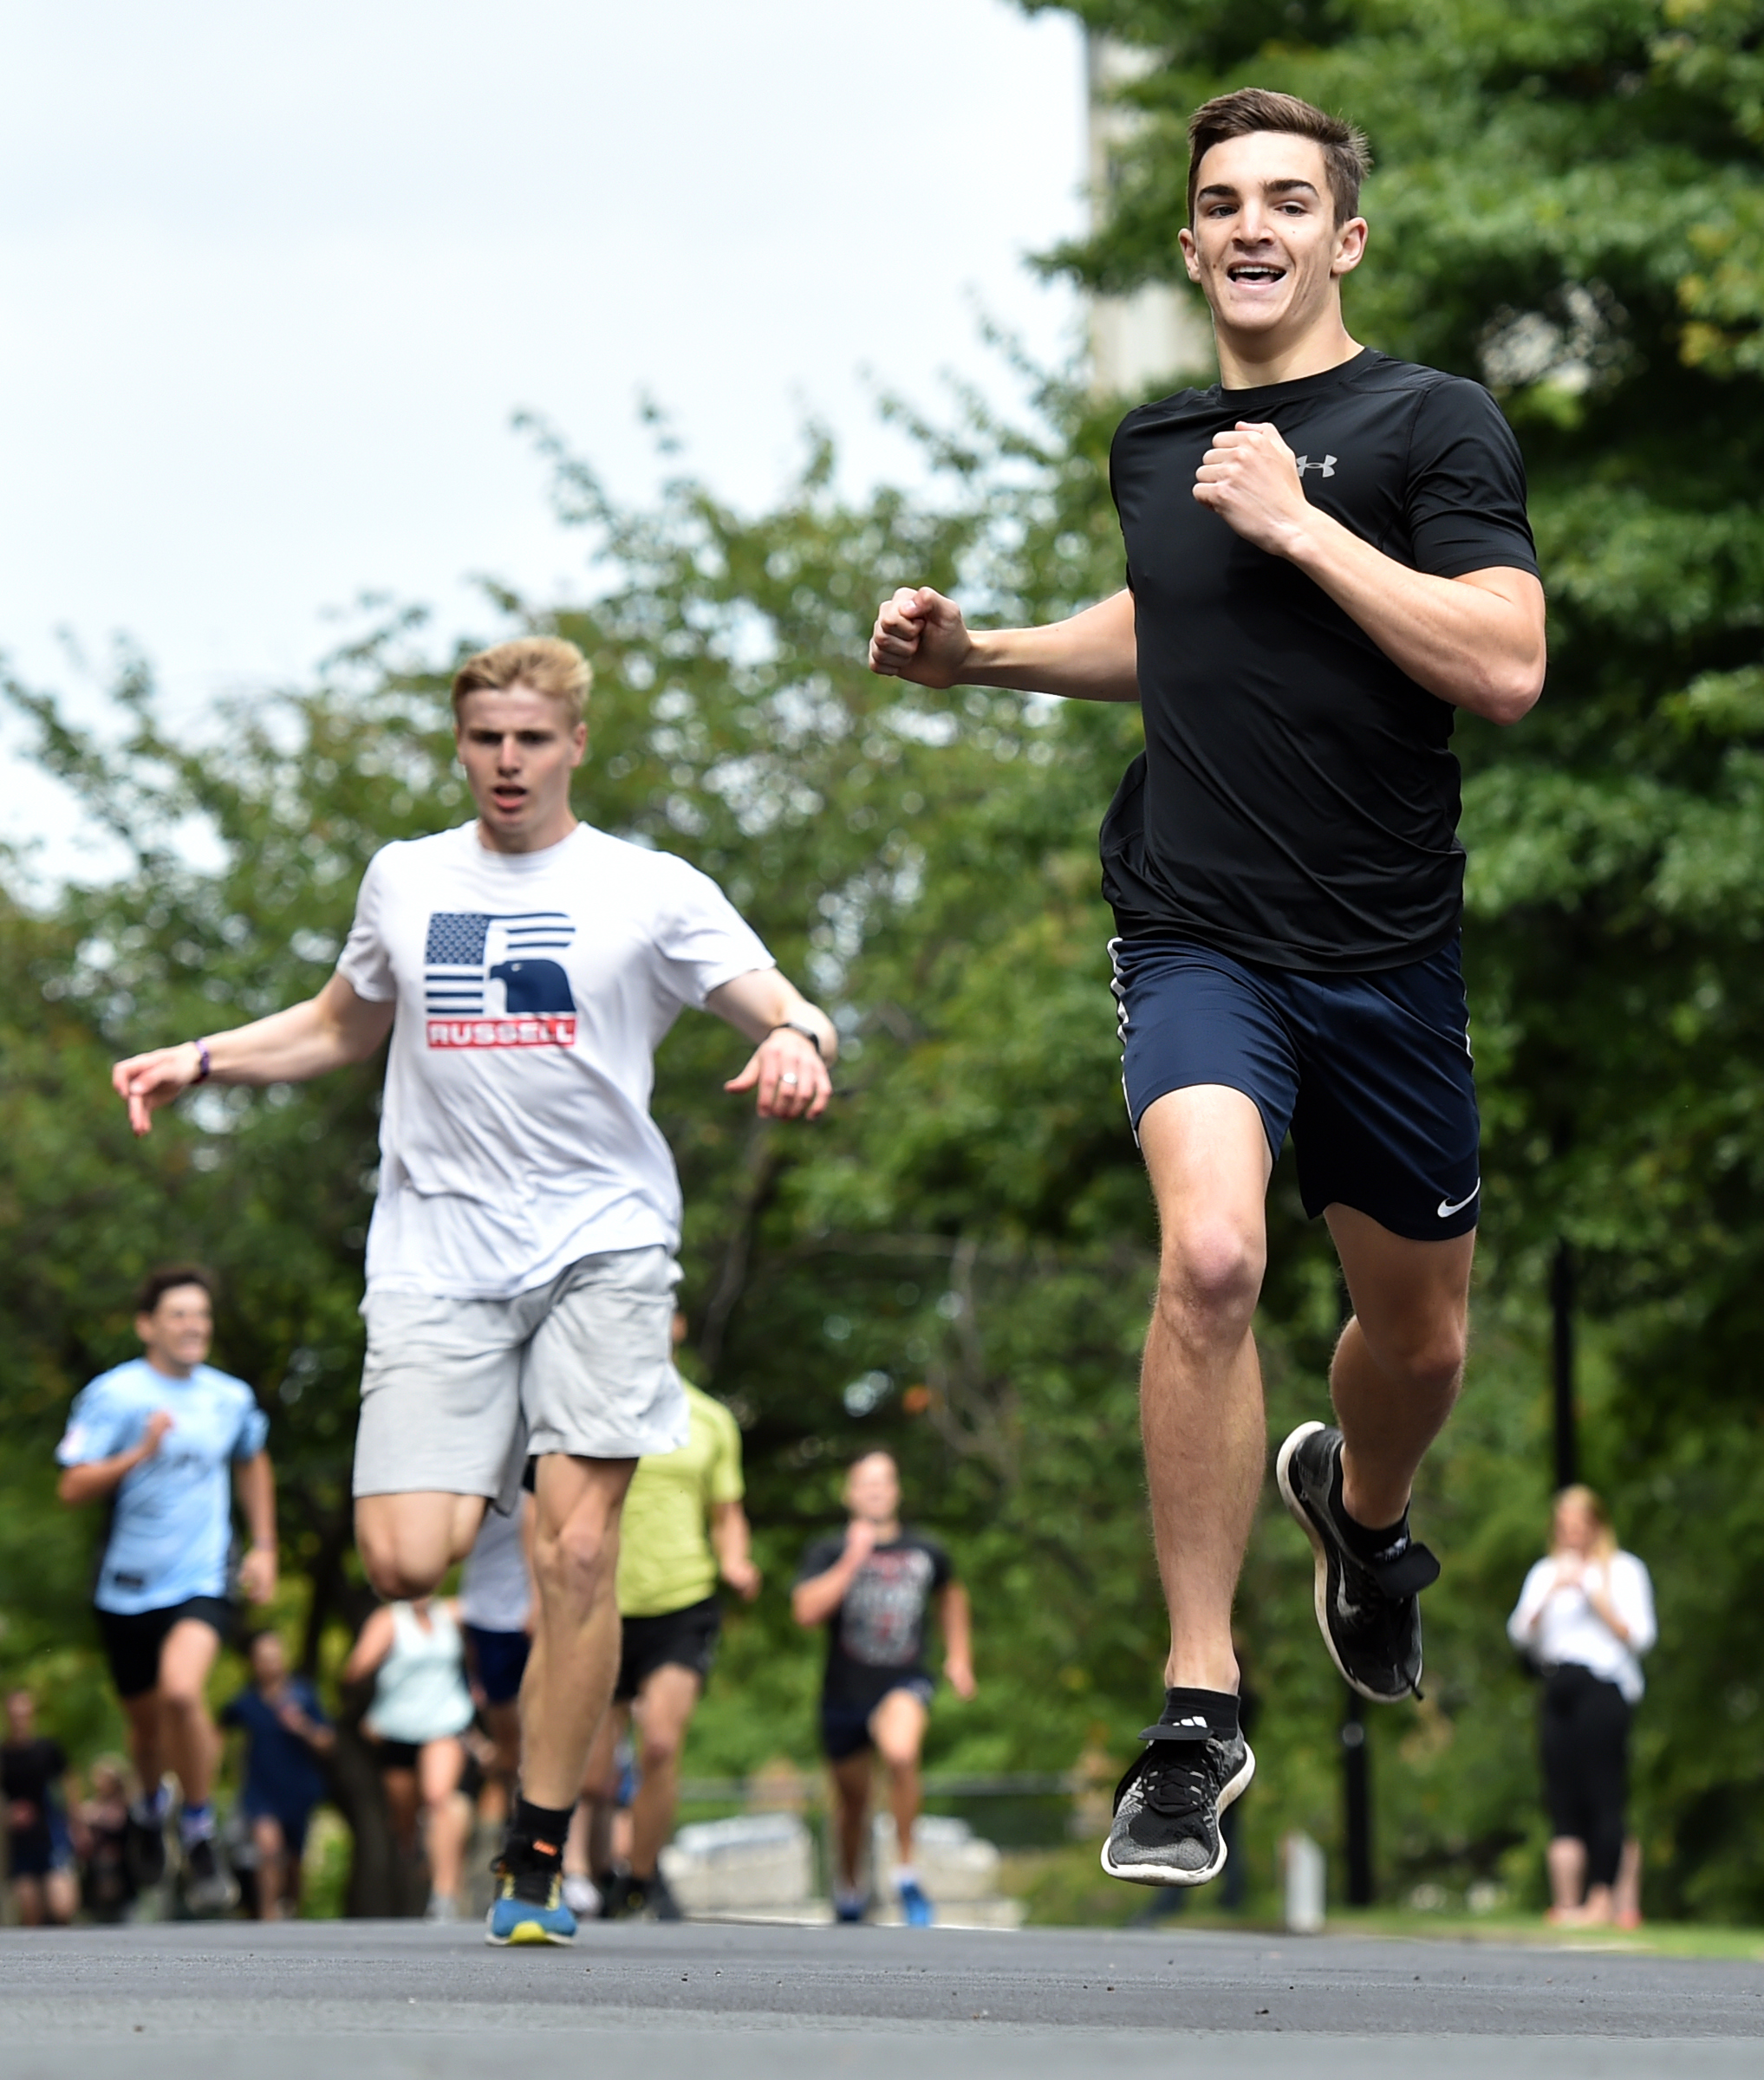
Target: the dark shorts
pixel 1371 1073
pixel 845 1721
pixel 293 1820
pixel 35 1854
pixel 498 1660
pixel 394 1754
pixel 678 1639
pixel 132 1639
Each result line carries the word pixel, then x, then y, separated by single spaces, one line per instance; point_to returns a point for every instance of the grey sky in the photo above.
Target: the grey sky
pixel 277 278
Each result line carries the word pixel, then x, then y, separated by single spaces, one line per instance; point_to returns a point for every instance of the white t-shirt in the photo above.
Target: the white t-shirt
pixel 1566 1629
pixel 532 991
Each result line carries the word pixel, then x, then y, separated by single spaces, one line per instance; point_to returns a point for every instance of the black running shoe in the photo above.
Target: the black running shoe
pixel 209 1887
pixel 620 1897
pixel 1167 1807
pixel 661 1900
pixel 144 1848
pixel 1368 1611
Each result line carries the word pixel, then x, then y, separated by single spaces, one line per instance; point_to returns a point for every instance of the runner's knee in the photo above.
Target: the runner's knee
pixel 576 1563
pixel 1430 1360
pixel 1210 1274
pixel 397 1574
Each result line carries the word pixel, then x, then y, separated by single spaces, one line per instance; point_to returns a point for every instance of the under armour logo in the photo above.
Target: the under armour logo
pixel 1327 465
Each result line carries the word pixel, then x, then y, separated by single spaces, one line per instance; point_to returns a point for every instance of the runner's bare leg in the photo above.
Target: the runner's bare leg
pixel 574 1661
pixel 1201 1392
pixel 1400 1361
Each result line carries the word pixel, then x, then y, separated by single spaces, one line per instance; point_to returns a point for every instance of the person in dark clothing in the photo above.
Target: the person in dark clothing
pixel 1327 557
pixel 871 1588
pixel 100 1831
pixel 286 1733
pixel 40 1859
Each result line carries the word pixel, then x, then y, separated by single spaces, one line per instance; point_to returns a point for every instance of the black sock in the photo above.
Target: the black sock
pixel 1364 1541
pixel 542 1829
pixel 1217 1707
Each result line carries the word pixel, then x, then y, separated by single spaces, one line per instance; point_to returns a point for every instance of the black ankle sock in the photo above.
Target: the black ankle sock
pixel 541 1828
pixel 1365 1541
pixel 1217 1707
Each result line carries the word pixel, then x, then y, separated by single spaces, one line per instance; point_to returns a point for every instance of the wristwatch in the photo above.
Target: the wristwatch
pixel 790 1026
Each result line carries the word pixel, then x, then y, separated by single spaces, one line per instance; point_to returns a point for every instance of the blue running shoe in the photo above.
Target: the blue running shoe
pixel 915 1906
pixel 529 1906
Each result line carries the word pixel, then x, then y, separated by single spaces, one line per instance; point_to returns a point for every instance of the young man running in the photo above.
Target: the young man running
pixel 156 1438
pixel 870 1586
pixel 520 1261
pixel 684 1529
pixel 1327 555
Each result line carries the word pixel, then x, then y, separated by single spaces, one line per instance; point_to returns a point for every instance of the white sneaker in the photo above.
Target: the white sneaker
pixel 442 1908
pixel 582 1897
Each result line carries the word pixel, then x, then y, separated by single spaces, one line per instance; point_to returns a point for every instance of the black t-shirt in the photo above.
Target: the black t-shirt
pixel 1297 800
pixel 29 1771
pixel 876 1637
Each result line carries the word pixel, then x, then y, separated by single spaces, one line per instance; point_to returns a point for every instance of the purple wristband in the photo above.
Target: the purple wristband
pixel 207 1067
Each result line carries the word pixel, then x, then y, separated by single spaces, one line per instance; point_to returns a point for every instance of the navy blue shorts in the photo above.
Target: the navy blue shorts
pixel 498 1660
pixel 845 1721
pixel 1371 1073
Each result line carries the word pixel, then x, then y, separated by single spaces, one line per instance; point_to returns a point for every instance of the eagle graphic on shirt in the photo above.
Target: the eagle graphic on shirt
pixel 489 979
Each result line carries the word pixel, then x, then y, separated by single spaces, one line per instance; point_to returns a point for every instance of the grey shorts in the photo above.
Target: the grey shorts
pixel 456 1393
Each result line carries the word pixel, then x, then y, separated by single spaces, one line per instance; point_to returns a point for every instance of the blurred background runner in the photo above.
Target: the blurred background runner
pixel 684 1526
pixel 156 1438
pixel 496 1606
pixel 1585 1617
pixel 100 1827
pixel 39 1851
pixel 421 1708
pixel 286 1733
pixel 871 1587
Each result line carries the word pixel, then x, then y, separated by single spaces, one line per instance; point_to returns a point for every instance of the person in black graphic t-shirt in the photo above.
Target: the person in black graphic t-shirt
pixel 1327 557
pixel 871 1586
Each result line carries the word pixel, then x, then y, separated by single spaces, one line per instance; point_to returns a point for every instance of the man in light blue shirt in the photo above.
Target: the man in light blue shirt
pixel 156 1437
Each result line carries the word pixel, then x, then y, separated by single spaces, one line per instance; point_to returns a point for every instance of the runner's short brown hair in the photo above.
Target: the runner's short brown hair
pixel 167 1278
pixel 1345 153
pixel 546 663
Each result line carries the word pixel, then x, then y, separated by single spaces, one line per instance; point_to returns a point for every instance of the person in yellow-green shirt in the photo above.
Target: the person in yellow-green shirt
pixel 683 1529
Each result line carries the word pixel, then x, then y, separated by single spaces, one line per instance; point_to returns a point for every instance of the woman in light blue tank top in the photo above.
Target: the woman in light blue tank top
pixel 417 1657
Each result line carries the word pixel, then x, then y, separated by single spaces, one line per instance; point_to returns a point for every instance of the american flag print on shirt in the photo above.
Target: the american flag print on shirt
pixel 488 980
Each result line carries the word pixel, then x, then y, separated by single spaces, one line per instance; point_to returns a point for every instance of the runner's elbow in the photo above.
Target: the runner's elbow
pixel 1510 693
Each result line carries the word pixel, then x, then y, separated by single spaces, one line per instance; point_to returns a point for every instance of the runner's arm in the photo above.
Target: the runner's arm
pixel 921 636
pixel 254 1479
pixel 955 1615
pixel 731 1542
pixel 328 1031
pixel 1475 640
pixel 765 1007
pixel 98 1477
pixel 371 1647
pixel 813 1602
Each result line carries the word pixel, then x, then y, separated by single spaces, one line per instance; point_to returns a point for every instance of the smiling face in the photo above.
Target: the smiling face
pixel 178 1333
pixel 1265 246
pixel 518 748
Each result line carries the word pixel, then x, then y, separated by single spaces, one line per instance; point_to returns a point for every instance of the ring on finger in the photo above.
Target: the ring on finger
pixel 789 1077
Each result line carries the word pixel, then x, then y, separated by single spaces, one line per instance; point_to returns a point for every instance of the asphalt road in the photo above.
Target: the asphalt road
pixel 335 2000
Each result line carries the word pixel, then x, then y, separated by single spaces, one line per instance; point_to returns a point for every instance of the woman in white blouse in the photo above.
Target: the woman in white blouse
pixel 1585 1617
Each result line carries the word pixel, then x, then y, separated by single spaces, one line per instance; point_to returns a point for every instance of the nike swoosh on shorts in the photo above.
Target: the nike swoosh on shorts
pixel 1458 1206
